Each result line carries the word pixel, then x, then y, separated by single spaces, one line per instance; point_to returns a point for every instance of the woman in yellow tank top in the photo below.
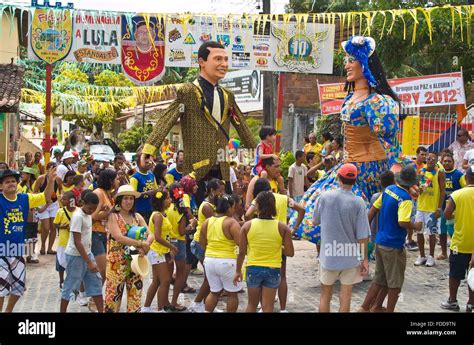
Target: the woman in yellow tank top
pixel 215 188
pixel 261 239
pixel 160 227
pixel 219 239
pixel 282 204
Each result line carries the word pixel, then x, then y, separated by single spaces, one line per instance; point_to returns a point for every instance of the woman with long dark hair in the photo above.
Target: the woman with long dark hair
pixel 370 123
pixel 160 172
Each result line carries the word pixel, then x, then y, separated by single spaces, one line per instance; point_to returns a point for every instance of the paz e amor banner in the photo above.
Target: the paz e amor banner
pixel 422 91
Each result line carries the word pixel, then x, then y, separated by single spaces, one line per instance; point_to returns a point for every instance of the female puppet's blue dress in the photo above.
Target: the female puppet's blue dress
pixel 380 113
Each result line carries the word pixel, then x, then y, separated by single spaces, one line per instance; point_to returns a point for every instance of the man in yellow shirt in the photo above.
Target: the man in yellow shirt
pixel 460 207
pixel 313 146
pixel 14 209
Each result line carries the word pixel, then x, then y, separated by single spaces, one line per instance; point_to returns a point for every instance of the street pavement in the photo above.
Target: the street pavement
pixel 423 291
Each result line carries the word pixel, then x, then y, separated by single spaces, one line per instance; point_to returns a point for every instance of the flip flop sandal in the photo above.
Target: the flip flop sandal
pixel 51 252
pixel 188 289
pixel 173 308
pixel 42 252
pixel 32 261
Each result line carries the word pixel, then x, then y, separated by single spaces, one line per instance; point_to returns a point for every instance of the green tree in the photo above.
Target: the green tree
pixel 132 138
pixel 111 78
pixel 254 126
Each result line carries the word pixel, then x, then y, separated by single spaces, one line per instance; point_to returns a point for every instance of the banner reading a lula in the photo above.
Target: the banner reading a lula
pixel 252 44
pixel 143 48
pixel 96 38
pixel 51 34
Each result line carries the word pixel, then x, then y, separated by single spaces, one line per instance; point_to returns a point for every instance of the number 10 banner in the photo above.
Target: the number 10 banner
pixel 252 44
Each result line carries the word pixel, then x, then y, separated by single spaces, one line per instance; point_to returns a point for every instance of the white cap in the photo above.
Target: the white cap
pixel 67 154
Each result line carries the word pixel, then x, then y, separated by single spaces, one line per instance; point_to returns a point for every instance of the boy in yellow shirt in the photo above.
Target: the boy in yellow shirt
pixel 62 222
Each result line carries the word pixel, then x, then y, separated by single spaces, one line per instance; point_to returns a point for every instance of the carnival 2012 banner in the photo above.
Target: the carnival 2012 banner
pixel 250 44
pixel 96 38
pixel 51 34
pixel 143 49
pixel 422 91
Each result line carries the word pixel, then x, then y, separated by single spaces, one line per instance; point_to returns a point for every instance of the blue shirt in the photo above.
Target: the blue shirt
pixel 177 176
pixel 395 205
pixel 453 183
pixel 143 183
pixel 13 215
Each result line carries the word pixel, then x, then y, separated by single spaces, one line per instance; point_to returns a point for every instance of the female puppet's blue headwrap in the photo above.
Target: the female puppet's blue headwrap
pixel 361 48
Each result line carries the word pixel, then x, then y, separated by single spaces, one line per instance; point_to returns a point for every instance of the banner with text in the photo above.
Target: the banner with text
pixel 422 91
pixel 96 38
pixel 263 45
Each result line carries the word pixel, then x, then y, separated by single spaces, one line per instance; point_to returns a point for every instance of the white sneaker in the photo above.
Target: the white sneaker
pixel 82 299
pixel 197 307
pixel 148 310
pixel 430 261
pixel 420 261
pixel 217 310
pixel 284 311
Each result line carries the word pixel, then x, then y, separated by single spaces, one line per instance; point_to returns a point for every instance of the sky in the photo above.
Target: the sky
pixel 169 6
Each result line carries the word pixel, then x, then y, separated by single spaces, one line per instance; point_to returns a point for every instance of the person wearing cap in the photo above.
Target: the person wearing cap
pixel 342 217
pixel 460 206
pixel 118 272
pixel 370 125
pixel 66 165
pixel 14 209
pixel 393 209
pixel 28 177
pixel 57 153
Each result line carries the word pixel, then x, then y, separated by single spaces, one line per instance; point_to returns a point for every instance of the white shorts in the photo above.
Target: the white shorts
pixel 348 276
pixel 50 212
pixel 155 258
pixel 220 274
pixel 431 226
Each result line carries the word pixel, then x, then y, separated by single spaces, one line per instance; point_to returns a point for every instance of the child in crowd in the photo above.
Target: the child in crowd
pixel 62 222
pixel 161 228
pixel 79 186
pixel 80 263
pixel 264 149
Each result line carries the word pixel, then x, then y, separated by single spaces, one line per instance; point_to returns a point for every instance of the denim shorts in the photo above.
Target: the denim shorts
pixel 77 272
pixel 259 276
pixel 99 243
pixel 197 250
pixel 181 245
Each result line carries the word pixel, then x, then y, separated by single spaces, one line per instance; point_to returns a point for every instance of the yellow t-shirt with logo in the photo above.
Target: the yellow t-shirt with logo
pixel 165 234
pixel 64 223
pixel 463 237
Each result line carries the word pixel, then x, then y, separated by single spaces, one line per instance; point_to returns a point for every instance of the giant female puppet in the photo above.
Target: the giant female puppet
pixel 205 111
pixel 370 123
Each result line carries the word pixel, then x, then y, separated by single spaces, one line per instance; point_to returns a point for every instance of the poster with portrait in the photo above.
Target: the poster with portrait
pixel 96 38
pixel 51 34
pixel 143 49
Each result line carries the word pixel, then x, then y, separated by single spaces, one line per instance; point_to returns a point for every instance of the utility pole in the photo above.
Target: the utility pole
pixel 268 85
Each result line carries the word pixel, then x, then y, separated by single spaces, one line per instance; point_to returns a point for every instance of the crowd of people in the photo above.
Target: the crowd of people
pixel 354 195
pixel 87 208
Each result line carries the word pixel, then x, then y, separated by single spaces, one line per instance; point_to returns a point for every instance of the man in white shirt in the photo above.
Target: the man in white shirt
pixel 81 266
pixel 468 160
pixel 297 178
